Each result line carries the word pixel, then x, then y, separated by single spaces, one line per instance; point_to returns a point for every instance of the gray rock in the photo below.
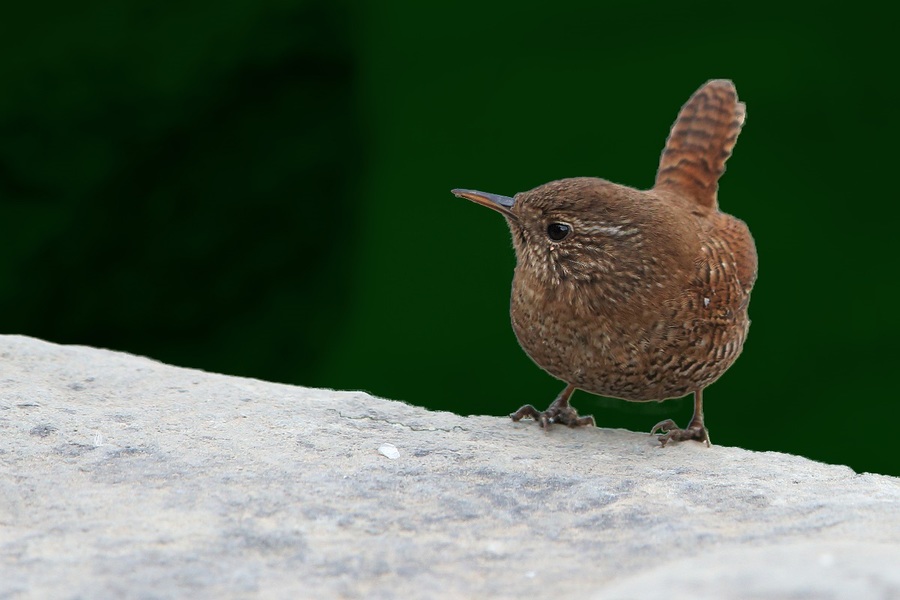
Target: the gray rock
pixel 124 477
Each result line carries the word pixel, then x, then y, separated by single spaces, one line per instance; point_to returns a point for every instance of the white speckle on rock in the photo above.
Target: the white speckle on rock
pixel 389 450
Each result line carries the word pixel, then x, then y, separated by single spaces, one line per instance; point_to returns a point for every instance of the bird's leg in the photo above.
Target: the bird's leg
pixel 695 430
pixel 558 412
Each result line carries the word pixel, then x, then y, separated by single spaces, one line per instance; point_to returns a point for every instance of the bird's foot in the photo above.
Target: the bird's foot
pixel 565 415
pixel 672 433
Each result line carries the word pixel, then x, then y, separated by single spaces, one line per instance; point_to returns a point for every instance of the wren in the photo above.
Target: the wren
pixel 638 295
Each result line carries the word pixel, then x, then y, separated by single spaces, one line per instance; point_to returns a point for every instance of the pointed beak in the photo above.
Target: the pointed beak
pixel 502 204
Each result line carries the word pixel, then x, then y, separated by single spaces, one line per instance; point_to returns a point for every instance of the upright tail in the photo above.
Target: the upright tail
pixel 700 142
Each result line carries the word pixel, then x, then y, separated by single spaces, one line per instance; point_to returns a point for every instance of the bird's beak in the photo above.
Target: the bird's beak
pixel 502 204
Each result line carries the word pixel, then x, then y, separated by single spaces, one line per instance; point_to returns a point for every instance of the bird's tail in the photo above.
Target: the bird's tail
pixel 700 142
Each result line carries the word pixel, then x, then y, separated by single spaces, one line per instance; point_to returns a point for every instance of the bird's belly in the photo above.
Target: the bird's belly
pixel 651 363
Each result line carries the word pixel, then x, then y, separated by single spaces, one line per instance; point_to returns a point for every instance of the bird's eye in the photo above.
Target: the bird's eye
pixel 558 231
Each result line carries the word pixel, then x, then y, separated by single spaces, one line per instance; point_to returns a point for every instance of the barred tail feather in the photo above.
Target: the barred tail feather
pixel 700 142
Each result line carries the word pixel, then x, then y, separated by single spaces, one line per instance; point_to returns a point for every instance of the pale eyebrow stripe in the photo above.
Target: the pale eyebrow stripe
pixel 613 230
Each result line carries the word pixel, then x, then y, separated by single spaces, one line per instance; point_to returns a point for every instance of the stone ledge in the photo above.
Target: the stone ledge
pixel 125 477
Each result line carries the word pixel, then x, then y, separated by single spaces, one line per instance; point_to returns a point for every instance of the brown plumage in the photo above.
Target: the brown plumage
pixel 639 295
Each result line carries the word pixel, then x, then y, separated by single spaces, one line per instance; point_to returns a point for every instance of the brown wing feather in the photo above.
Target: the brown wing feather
pixel 700 142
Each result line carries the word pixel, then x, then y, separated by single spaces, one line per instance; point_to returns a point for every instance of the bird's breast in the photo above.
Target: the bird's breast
pixel 655 348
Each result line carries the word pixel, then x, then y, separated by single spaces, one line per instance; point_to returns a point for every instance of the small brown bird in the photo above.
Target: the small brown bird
pixel 638 295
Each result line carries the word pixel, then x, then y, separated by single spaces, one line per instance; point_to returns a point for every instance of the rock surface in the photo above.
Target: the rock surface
pixel 124 477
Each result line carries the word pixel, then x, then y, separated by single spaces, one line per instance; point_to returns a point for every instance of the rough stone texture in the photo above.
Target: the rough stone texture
pixel 124 477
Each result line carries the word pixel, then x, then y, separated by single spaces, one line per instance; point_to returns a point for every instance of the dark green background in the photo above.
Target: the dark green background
pixel 261 188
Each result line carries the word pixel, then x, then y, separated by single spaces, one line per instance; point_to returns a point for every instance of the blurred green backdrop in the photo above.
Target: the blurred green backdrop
pixel 261 188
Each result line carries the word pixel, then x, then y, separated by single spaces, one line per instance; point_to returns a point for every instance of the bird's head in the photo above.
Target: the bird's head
pixel 580 231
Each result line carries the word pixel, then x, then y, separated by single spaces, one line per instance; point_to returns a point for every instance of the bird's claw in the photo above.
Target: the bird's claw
pixel 554 414
pixel 672 433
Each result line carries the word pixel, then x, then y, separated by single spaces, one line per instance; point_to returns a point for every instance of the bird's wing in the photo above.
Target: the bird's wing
pixel 700 142
pixel 725 271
